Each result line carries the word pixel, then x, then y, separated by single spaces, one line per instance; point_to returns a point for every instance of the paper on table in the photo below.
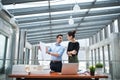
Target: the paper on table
pixel 19 69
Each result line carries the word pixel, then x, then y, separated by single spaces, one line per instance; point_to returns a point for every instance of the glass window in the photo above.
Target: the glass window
pixel 116 25
pixel 98 36
pixel 97 56
pixel 94 56
pixel 90 57
pixel 94 39
pixel 101 55
pixel 2 49
pixel 82 55
pixel 7 62
pixel 106 53
pixel 109 31
pixel 27 55
pixel 106 60
pixel 103 34
pixel 82 65
pixel 110 53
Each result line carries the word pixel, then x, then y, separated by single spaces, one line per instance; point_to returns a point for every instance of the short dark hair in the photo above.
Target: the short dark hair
pixel 59 35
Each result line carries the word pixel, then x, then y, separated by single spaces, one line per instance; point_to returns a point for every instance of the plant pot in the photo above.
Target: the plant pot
pixel 92 73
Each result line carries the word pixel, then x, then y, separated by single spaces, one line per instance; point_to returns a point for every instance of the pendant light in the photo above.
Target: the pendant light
pixel 71 21
pixel 76 8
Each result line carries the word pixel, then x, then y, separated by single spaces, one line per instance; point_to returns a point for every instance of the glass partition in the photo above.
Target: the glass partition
pixel 2 51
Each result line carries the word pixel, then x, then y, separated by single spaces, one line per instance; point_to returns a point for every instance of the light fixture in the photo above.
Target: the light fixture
pixel 71 21
pixel 76 8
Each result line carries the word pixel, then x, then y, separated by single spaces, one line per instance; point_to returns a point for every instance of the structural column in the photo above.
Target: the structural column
pixel 98 55
pixel 112 27
pixel 21 51
pixel 115 48
pixel 119 24
pixel 95 60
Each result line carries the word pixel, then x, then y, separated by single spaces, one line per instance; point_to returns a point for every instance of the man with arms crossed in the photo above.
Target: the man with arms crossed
pixel 56 51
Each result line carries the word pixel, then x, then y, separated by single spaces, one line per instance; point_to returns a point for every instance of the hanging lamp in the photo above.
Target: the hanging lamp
pixel 71 21
pixel 76 8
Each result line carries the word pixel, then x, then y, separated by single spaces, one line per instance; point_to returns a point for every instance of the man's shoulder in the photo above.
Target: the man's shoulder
pixel 63 47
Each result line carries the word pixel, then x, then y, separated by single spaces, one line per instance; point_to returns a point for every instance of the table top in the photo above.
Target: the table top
pixel 57 75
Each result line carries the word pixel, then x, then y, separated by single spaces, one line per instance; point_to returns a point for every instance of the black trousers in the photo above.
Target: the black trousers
pixel 56 66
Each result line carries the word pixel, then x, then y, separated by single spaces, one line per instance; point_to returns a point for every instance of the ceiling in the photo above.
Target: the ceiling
pixel 44 19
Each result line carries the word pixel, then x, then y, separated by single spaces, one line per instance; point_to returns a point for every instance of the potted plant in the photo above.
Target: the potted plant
pixel 99 67
pixel 92 70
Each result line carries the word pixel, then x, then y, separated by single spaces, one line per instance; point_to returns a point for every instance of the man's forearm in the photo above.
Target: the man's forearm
pixel 53 54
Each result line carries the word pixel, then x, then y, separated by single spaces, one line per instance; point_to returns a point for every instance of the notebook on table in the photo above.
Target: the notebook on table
pixel 69 68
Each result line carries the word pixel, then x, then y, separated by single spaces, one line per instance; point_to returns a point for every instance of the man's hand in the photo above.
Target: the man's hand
pixel 47 51
pixel 39 47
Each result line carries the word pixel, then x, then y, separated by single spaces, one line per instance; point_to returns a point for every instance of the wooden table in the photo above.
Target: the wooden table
pixel 56 76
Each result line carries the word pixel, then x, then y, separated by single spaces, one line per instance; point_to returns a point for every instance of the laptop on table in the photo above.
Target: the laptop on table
pixel 69 68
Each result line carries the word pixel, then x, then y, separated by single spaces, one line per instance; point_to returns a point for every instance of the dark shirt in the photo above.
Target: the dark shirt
pixel 73 46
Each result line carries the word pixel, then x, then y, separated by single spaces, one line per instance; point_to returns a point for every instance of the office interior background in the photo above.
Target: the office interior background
pixel 26 23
